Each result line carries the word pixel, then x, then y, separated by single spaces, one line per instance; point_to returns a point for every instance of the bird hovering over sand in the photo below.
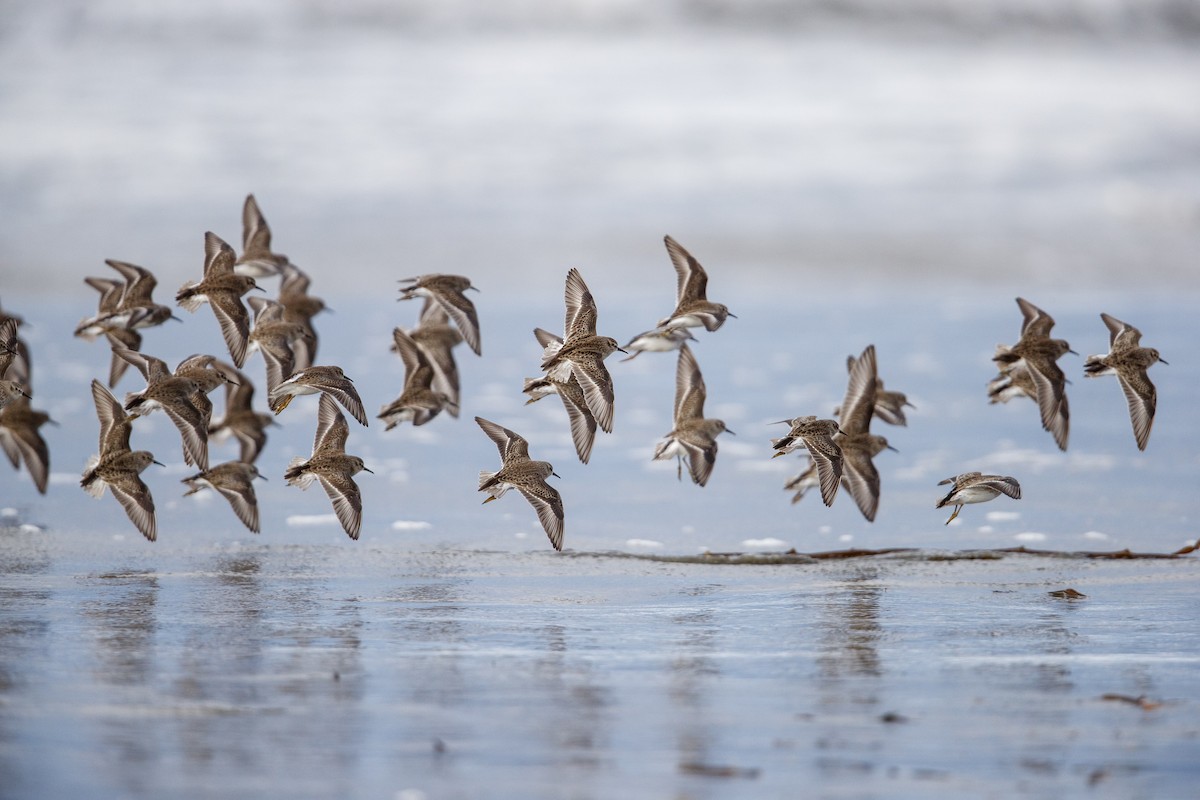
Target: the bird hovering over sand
pixel 975 487
pixel 518 471
pixel 693 438
pixel 1128 360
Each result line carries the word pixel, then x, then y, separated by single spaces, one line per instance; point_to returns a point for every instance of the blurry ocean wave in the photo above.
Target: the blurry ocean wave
pixel 1105 19
pixel 950 142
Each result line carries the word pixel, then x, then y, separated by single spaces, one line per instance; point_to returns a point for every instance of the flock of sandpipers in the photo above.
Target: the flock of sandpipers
pixel 840 451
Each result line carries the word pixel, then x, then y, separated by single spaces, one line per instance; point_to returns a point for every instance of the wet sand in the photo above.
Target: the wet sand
pixel 312 670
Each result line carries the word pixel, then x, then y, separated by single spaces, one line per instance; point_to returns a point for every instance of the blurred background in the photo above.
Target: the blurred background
pixel 950 144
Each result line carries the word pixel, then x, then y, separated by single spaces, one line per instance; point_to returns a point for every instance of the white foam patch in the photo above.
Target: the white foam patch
pixel 645 543
pixel 307 520
pixel 1096 536
pixel 846 537
pixel 767 542
pixel 62 479
pixel 411 525
pixel 8 512
pixel 825 529
pixel 985 529
pixel 1003 516
pixel 203 496
pixel 28 527
pixel 687 529
pixel 520 535
pixel 1030 536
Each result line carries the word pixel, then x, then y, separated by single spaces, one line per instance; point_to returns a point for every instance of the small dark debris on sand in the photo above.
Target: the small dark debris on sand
pixel 1141 701
pixel 717 770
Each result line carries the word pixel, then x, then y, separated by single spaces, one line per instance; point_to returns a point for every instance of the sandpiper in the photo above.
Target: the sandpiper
pixel 437 338
pixel 1129 361
pixel 889 406
pixel 1037 353
pixel 975 487
pixel 222 289
pixel 234 480
pixel 10 349
pixel 518 471
pixel 581 353
pixel 126 304
pixel 692 308
pixel 448 292
pixel 10 391
pixel 326 380
pixel 176 396
pixel 859 446
pixel 257 259
pixel 417 402
pixel 240 419
pixel 14 352
pixel 583 423
pixel 117 466
pixel 21 441
pixel 659 340
pixel 121 472
pixel 274 336
pixel 816 436
pixel 694 438
pixel 300 307
pixel 330 465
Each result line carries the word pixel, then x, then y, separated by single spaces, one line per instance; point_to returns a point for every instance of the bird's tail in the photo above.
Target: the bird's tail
pixel 296 474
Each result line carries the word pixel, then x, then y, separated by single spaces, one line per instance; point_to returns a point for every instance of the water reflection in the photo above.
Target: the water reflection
pixel 1047 712
pixel 429 622
pixel 578 721
pixel 850 633
pixel 123 622
pixel 24 630
pixel 693 676
pixel 849 677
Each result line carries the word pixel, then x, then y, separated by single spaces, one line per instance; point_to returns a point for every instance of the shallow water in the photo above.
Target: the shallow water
pixel 381 670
